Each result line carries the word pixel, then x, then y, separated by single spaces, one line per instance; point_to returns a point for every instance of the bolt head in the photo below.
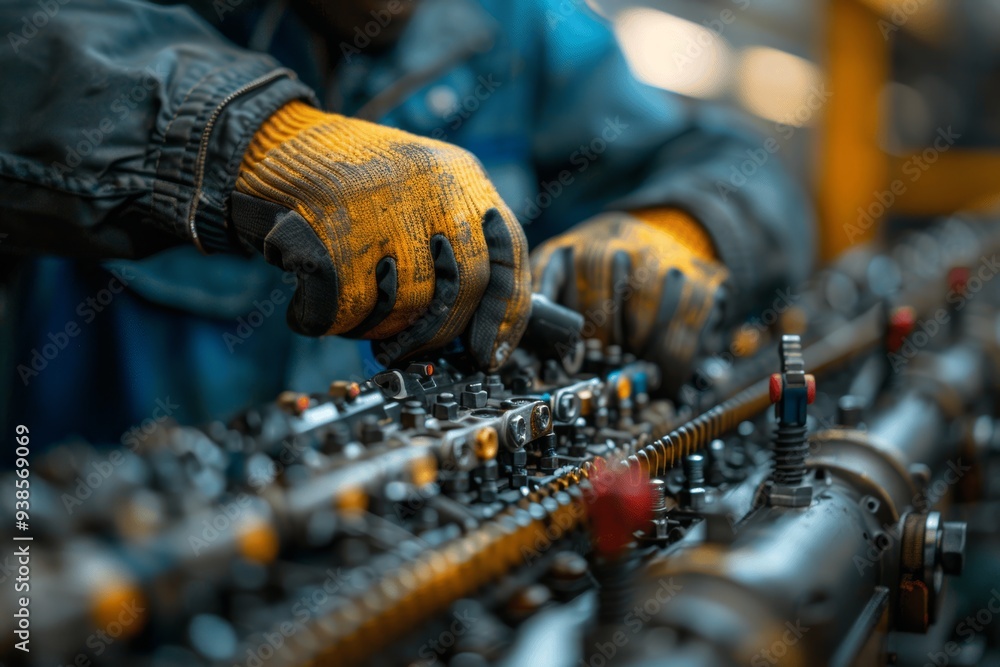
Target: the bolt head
pixel 541 416
pixel 696 498
pixel 566 407
pixel 446 410
pixel 517 431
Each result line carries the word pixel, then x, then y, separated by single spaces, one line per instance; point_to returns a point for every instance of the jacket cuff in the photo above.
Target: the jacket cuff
pixel 204 143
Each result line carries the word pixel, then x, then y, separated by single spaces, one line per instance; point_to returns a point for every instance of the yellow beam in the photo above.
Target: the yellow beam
pixel 853 168
pixel 943 183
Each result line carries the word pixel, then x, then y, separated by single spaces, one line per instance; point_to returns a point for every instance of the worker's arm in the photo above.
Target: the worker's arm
pixel 680 246
pixel 123 125
pixel 127 128
pixel 627 146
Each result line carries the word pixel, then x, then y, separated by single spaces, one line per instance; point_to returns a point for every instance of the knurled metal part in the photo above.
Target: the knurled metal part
pixel 415 590
pixel 911 551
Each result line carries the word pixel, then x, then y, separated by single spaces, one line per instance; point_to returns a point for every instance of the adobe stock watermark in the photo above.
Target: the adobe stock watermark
pixel 635 620
pixel 87 310
pixel 234 515
pixel 925 330
pixel 925 498
pixel 101 640
pixel 756 158
pixel 698 43
pixel 462 110
pixel 899 16
pixel 121 107
pixel 772 654
pixel 584 156
pixel 750 332
pixel 363 35
pixel 597 316
pixel 264 309
pixel 435 648
pixel 31 24
pixel 90 481
pixel 559 525
pixel 914 168
pixel 292 449
pixel 967 628
pixel 305 608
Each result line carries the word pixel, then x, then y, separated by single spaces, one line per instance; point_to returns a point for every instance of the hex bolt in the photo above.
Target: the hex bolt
pixel 550 460
pixel 659 492
pixel 371 432
pixel 717 462
pixel 518 472
pixel 488 485
pixel 566 406
pixel 446 408
pixel 413 415
pixel 473 396
pixel 694 470
pixel 521 384
pixel 493 386
pixel 694 474
pixel 658 527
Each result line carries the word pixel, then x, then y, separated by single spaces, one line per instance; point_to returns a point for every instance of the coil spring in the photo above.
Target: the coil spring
pixel 790 451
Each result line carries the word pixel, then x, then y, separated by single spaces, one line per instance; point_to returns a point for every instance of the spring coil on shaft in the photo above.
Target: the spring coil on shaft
pixel 790 451
pixel 666 452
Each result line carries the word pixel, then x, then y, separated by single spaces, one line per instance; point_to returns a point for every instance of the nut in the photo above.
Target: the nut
pixel 695 498
pixel 567 406
pixel 781 495
pixel 446 408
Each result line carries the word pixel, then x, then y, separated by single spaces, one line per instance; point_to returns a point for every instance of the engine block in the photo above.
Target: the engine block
pixel 802 500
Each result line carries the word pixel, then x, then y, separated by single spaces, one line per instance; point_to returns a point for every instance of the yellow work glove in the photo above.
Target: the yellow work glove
pixel 647 280
pixel 393 236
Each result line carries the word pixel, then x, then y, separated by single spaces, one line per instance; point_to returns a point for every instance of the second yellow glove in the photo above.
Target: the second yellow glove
pixel 646 280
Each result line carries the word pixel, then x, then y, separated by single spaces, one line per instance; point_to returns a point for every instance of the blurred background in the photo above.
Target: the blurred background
pixel 857 88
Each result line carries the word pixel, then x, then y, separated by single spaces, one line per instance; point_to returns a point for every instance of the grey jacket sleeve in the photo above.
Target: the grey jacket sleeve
pixel 123 125
pixel 623 145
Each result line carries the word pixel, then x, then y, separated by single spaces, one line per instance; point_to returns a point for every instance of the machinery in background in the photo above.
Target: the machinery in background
pixel 560 512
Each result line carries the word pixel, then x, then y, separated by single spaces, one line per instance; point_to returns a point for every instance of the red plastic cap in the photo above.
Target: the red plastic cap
pixel 901 324
pixel 619 505
pixel 774 387
pixel 810 389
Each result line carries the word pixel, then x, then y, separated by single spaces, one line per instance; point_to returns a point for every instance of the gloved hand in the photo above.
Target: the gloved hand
pixel 646 280
pixel 393 236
